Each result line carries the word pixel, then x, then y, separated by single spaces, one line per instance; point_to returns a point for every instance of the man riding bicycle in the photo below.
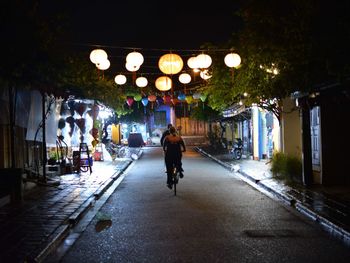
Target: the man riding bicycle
pixel 165 133
pixel 173 153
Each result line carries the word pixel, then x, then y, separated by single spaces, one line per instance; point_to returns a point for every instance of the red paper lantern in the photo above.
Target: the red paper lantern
pixel 81 124
pixel 80 108
pixel 94 133
pixel 152 98
pixel 174 101
pixel 167 99
pixel 95 111
pixel 130 101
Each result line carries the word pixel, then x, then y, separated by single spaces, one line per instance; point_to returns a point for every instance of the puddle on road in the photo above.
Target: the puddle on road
pixel 104 221
pixel 102 225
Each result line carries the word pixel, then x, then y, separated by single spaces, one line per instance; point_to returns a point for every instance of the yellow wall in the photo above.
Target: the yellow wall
pixel 276 134
pixel 291 129
pixel 191 127
pixel 230 133
pixel 116 133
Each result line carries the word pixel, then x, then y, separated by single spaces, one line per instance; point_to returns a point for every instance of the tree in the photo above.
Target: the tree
pixel 32 36
pixel 34 57
pixel 26 45
pixel 285 46
pixel 294 37
pixel 204 113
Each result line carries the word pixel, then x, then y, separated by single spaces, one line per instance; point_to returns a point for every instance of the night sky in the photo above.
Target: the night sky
pixel 152 27
pixel 155 27
pixel 153 24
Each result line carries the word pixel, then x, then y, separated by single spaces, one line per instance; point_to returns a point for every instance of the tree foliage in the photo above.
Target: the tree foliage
pixel 31 32
pixel 285 46
pixel 36 54
pixel 306 40
pixel 135 114
pixel 204 113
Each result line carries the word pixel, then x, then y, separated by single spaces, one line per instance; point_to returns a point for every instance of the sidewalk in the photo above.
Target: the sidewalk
pixel 29 230
pixel 328 206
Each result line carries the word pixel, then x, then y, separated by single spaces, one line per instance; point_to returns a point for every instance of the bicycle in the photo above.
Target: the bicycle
pixel 117 150
pixel 123 151
pixel 127 152
pixel 237 148
pixel 175 177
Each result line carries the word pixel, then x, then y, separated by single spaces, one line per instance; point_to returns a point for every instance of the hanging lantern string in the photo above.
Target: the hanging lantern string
pixel 152 49
pixel 205 60
pixel 169 63
pixel 154 73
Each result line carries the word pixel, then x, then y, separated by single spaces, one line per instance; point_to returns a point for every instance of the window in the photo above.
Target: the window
pixel 160 118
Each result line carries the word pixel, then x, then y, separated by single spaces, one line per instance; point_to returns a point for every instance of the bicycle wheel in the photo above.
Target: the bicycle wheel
pixel 175 179
pixel 238 154
pixel 121 152
pixel 84 169
pixel 127 152
pixel 124 152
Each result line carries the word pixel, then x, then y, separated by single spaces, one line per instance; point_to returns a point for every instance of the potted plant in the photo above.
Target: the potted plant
pixel 52 158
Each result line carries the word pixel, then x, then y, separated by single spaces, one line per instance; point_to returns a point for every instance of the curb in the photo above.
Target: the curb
pixel 332 228
pixel 78 214
pixel 285 198
pixel 62 231
pixel 56 238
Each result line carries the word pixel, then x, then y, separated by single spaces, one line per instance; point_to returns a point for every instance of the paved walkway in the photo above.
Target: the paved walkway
pixel 215 217
pixel 30 229
pixel 329 206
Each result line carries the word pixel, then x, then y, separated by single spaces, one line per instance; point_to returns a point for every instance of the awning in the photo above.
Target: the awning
pixel 233 110
pixel 240 117
pixel 236 113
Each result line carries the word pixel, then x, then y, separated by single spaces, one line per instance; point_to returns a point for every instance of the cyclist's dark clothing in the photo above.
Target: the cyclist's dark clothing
pixel 165 133
pixel 173 154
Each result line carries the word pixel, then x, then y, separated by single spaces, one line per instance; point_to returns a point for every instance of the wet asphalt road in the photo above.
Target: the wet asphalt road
pixel 215 217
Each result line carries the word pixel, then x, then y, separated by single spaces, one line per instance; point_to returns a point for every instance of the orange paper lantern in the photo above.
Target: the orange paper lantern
pixel 170 63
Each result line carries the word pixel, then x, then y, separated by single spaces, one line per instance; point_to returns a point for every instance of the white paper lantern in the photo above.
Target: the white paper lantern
pixel 134 59
pixel 120 79
pixel 232 60
pixel 131 67
pixel 192 63
pixel 204 61
pixel 98 55
pixel 103 65
pixel 185 78
pixel 163 83
pixel 141 82
pixel 205 75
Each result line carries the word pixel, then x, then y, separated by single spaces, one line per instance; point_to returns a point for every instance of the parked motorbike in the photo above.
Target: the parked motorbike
pixel 237 148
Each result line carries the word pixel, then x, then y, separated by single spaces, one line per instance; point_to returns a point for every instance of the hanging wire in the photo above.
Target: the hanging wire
pixel 151 65
pixel 152 49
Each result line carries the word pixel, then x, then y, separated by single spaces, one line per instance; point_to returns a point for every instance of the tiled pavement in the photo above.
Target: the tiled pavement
pixel 328 206
pixel 28 230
